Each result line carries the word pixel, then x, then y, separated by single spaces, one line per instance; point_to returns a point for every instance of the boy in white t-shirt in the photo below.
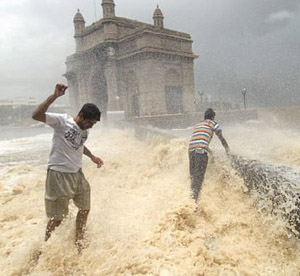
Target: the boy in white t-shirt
pixel 65 179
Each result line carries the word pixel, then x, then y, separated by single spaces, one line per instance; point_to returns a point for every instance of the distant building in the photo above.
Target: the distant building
pixel 19 110
pixel 123 64
pixel 18 101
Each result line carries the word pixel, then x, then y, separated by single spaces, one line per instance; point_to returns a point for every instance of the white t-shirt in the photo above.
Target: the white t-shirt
pixel 67 143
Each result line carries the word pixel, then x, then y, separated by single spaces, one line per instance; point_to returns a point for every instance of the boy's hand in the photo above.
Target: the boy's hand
pixel 60 90
pixel 97 160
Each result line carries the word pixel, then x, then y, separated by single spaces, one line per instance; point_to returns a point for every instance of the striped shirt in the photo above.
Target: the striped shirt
pixel 202 135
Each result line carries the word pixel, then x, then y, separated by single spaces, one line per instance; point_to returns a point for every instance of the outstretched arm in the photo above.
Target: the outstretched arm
pixel 39 113
pixel 94 158
pixel 223 141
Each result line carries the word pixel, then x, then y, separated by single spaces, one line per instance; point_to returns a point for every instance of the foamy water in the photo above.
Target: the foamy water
pixel 142 220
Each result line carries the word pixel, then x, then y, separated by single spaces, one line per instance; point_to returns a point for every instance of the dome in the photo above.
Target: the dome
pixel 158 12
pixel 78 17
pixel 108 2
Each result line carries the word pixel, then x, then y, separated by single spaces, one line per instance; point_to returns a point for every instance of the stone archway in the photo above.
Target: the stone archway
pixel 132 94
pixel 173 92
pixel 74 91
pixel 98 92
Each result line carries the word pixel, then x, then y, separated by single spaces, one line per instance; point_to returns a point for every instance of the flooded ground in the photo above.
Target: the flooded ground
pixel 142 220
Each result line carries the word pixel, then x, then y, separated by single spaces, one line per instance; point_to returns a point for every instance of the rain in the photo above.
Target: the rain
pixel 153 70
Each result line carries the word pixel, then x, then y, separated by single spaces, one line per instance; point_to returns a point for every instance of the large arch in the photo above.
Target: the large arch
pixel 98 91
pixel 173 92
pixel 132 94
pixel 74 91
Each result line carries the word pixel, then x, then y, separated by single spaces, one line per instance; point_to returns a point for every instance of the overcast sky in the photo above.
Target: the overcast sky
pixel 240 43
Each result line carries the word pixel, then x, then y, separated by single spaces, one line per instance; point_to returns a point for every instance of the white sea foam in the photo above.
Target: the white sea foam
pixel 142 220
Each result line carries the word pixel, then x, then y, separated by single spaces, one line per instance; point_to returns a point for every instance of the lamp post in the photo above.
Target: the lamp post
pixel 118 102
pixel 244 91
pixel 201 95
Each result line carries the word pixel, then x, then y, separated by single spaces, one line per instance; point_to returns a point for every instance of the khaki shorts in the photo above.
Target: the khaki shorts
pixel 60 188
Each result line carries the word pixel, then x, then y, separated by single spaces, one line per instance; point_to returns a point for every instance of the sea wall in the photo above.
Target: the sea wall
pixel 276 187
pixel 190 119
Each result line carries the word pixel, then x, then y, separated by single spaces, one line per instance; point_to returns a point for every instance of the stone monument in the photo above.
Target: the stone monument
pixel 124 64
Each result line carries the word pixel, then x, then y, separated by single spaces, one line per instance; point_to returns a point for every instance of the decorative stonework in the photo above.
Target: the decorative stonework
pixel 123 64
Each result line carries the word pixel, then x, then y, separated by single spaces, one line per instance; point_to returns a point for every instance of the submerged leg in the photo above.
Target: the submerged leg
pixel 52 224
pixel 81 220
pixel 196 184
pixel 198 164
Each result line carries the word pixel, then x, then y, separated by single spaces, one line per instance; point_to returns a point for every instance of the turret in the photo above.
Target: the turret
pixel 158 18
pixel 79 23
pixel 108 7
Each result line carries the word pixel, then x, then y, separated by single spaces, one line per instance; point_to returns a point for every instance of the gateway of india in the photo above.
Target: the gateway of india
pixel 122 64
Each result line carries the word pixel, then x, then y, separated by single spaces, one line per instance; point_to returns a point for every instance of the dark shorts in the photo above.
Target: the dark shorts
pixel 60 188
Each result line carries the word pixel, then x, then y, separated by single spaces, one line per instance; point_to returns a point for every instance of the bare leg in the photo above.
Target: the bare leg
pixel 52 224
pixel 81 220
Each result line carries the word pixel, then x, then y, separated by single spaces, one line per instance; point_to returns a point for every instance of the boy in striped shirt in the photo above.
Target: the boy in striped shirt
pixel 199 147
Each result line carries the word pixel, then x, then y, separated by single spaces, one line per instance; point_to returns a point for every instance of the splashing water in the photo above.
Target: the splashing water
pixel 142 220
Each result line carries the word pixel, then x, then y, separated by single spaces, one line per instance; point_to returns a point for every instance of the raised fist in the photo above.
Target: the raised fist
pixel 60 90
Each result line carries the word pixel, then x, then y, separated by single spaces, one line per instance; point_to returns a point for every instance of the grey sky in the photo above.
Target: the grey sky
pixel 240 43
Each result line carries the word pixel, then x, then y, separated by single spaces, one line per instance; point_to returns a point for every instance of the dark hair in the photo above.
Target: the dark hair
pixel 90 111
pixel 209 114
